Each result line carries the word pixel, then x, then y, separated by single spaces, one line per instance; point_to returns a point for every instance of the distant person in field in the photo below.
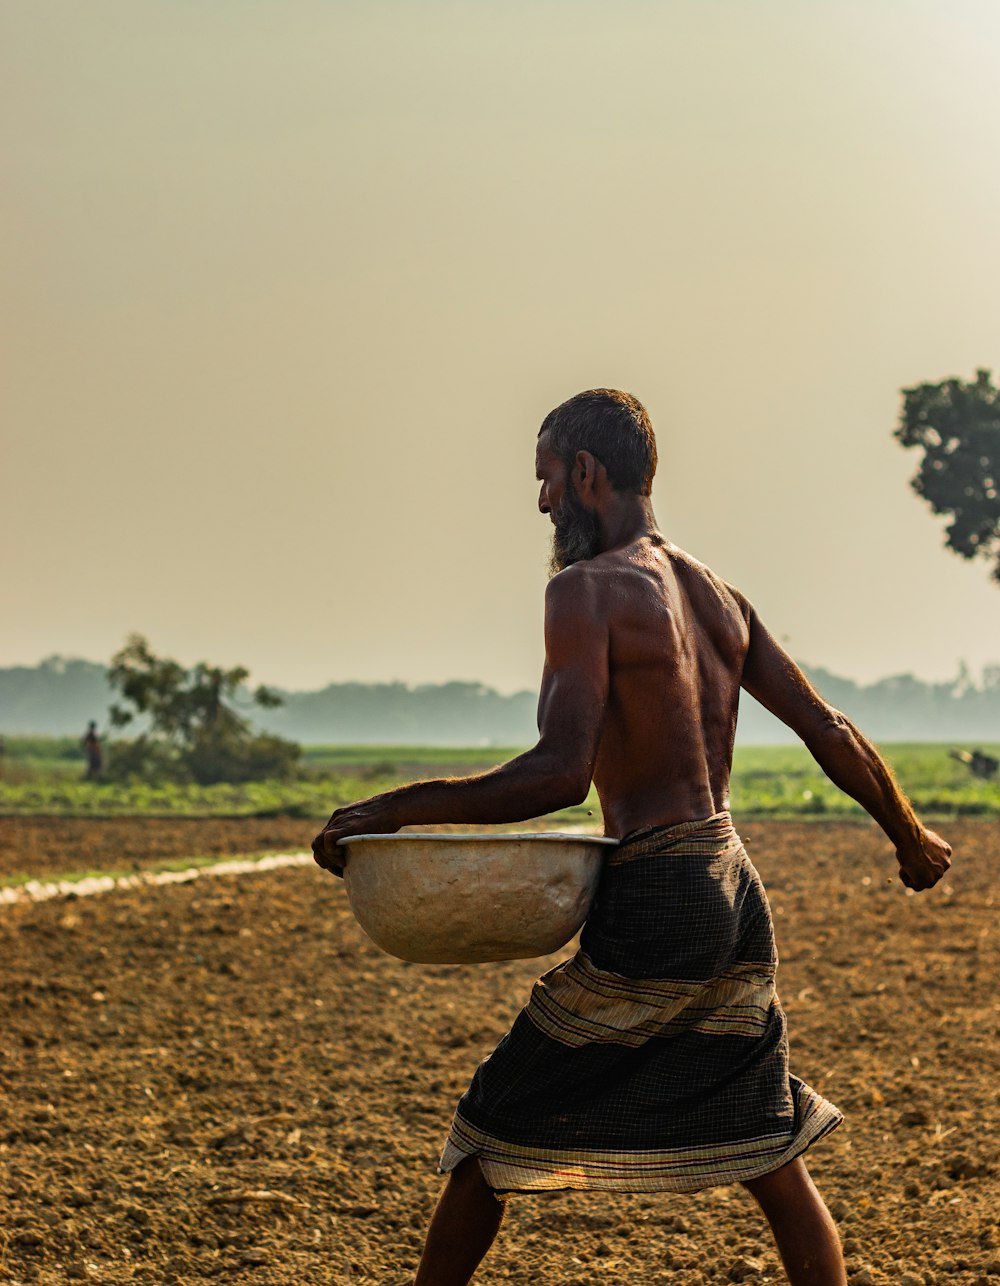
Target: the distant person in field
pixel 91 743
pixel 656 1058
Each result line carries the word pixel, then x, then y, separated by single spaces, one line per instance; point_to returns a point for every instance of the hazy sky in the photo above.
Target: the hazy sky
pixel 288 287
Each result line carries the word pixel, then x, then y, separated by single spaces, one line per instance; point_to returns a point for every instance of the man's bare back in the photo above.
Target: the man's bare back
pixel 677 639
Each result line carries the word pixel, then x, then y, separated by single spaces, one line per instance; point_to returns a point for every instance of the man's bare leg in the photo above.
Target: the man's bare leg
pixel 803 1228
pixel 463 1227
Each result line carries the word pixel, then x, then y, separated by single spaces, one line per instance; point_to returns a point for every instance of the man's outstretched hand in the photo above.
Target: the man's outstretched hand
pixel 924 862
pixel 367 817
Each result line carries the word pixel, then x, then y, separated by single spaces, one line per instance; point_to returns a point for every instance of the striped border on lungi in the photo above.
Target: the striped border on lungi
pixel 578 1004
pixel 512 1167
pixel 686 839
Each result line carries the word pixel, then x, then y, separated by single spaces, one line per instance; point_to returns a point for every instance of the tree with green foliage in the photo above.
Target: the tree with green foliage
pixel 195 734
pixel 958 426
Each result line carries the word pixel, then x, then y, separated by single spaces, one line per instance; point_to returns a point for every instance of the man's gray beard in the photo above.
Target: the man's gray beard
pixel 577 534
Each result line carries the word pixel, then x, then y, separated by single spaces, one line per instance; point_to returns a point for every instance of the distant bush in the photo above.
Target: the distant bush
pixel 261 758
pixel 142 759
pixel 195 733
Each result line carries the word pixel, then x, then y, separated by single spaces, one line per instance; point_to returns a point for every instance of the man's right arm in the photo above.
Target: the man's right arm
pixel 846 756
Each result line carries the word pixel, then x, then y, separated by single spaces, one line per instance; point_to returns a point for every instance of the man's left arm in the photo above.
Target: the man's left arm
pixel 554 774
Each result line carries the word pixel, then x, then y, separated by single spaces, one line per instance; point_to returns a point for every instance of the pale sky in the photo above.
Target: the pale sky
pixel 288 287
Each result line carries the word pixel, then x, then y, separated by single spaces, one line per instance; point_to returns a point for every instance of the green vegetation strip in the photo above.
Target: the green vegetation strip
pixel 767 781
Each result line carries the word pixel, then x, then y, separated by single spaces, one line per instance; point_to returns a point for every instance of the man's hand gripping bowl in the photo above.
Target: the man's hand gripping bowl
pixel 373 816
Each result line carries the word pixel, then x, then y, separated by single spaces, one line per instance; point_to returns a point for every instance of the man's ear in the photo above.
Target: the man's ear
pixel 586 472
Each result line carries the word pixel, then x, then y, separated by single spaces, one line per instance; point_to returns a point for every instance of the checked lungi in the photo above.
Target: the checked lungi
pixel 656 1058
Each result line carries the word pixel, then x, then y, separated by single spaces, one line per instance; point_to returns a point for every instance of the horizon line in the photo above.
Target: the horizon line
pixel 963 671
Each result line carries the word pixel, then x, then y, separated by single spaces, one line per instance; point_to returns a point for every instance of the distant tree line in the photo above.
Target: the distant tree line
pixel 904 708
pixel 454 713
pixel 58 696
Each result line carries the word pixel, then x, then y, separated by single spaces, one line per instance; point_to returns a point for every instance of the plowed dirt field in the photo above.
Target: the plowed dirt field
pixel 48 847
pixel 226 1080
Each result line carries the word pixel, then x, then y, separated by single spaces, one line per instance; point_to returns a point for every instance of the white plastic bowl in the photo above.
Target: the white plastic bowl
pixel 463 899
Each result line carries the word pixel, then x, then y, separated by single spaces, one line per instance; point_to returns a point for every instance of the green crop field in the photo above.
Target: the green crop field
pixel 44 776
pixel 776 781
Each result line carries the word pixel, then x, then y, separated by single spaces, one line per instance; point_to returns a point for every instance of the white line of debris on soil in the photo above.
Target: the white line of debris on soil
pixel 42 891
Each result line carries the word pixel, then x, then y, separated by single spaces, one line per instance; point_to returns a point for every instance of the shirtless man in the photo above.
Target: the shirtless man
pixel 646 651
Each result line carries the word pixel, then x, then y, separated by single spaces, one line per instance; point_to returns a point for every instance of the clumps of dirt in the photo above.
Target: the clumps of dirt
pixel 227 1081
pixel 44 847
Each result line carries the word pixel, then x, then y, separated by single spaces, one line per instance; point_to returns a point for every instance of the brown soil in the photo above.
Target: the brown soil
pixel 166 1054
pixel 43 847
